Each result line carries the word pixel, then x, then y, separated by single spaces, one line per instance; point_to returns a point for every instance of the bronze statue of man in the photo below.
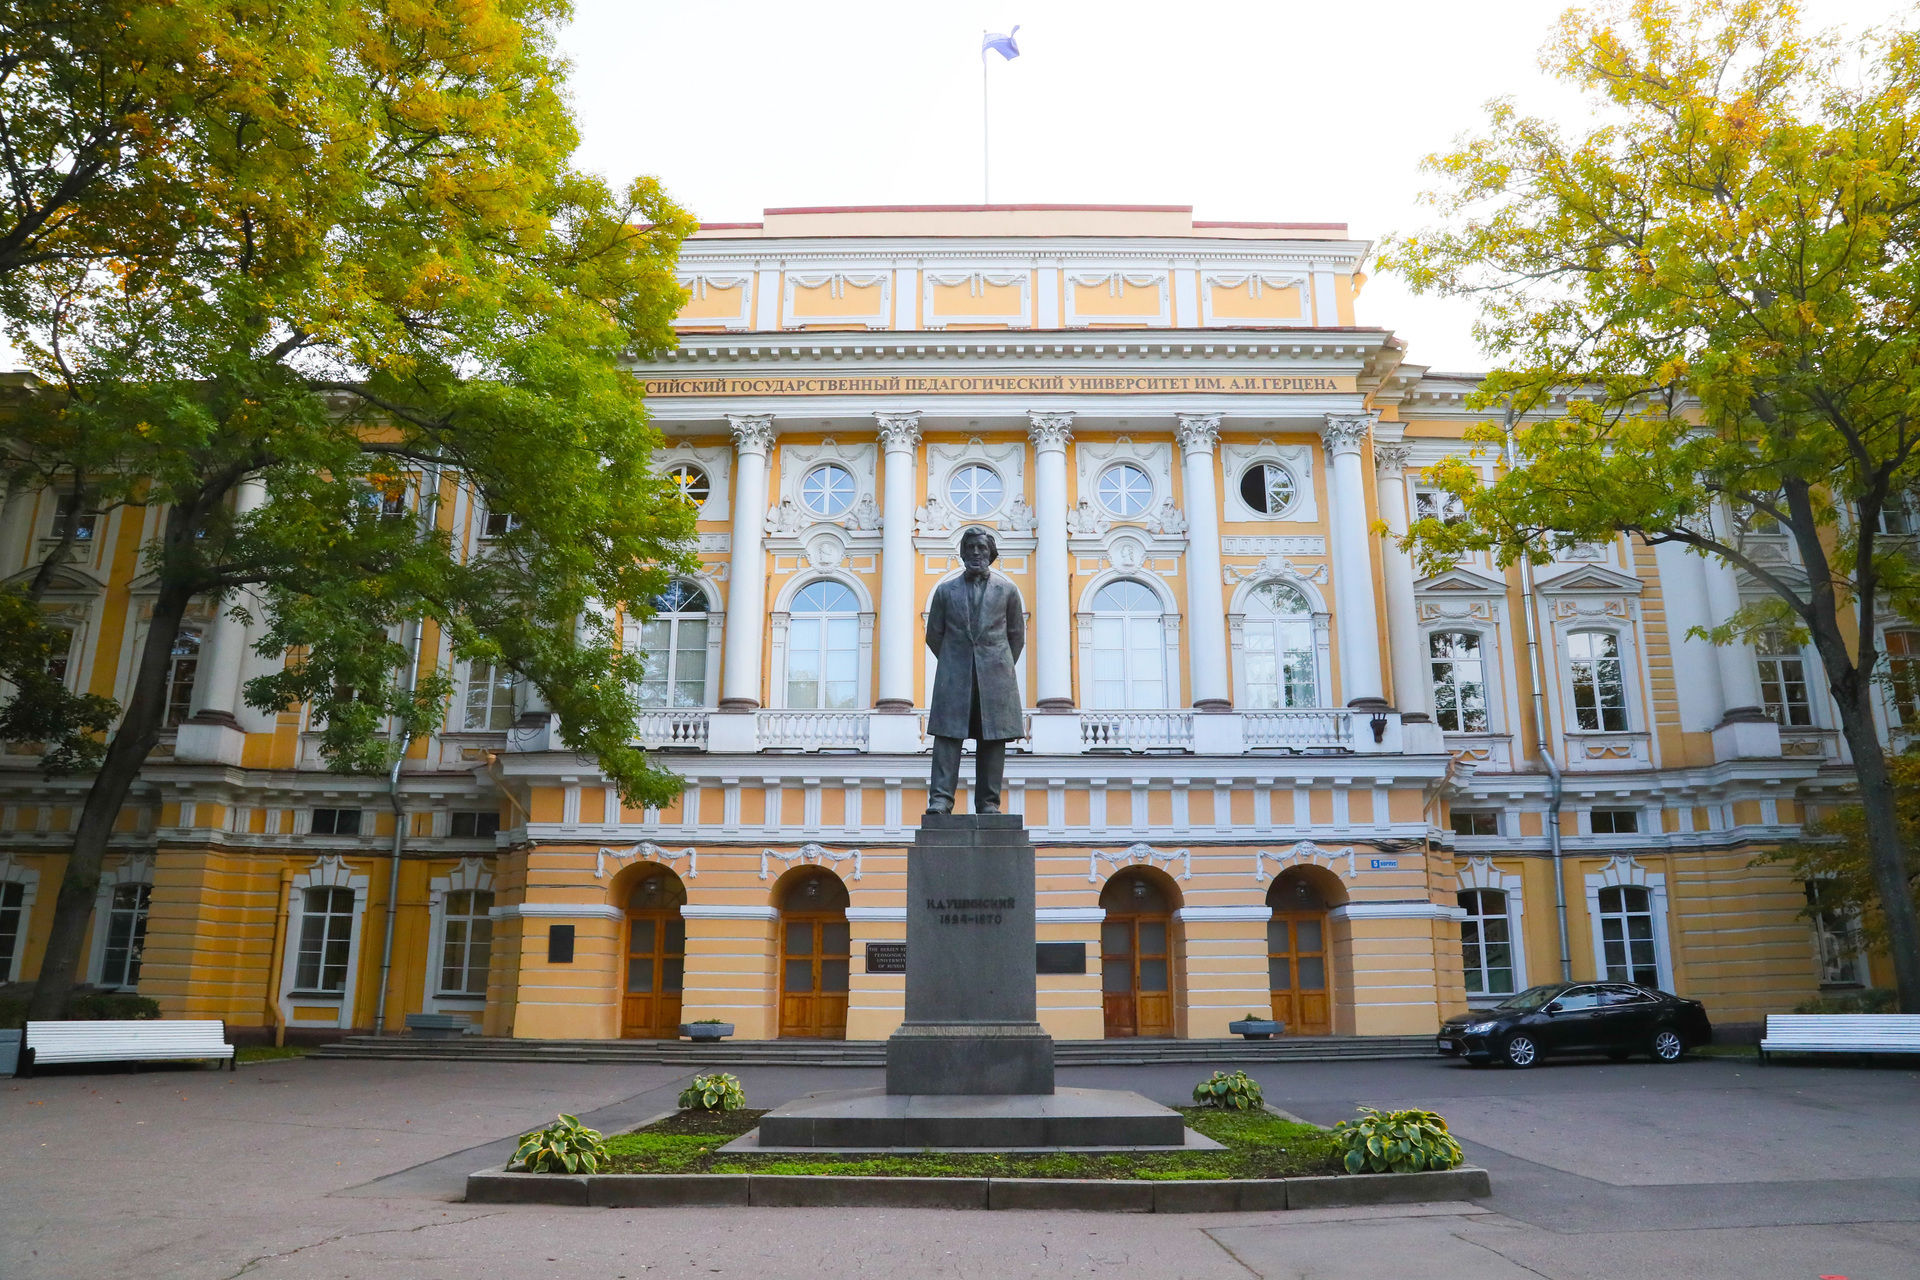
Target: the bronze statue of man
pixel 976 629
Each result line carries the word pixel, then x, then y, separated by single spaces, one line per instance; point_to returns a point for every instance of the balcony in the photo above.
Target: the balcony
pixel 1306 731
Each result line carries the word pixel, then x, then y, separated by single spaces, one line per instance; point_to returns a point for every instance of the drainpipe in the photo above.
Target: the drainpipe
pixel 1554 783
pixel 429 499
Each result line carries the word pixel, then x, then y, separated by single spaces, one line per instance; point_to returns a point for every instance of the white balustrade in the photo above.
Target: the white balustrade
pixel 1136 730
pixel 1300 729
pixel 672 730
pixel 812 730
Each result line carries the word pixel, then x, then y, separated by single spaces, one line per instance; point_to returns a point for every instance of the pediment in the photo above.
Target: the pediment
pixel 1460 582
pixel 67 580
pixel 1591 577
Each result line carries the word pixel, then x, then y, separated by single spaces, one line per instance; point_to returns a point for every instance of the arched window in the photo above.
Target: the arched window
pixel 1486 943
pixel 1903 675
pixel 823 649
pixel 1783 680
pixel 467 942
pixel 1626 935
pixel 675 643
pixel 489 702
pixel 182 666
pixel 1459 681
pixel 1599 691
pixel 1129 648
pixel 1278 649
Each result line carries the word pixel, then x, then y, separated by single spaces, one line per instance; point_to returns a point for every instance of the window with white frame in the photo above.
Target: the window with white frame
pixel 1599 688
pixel 1626 935
pixel 675 644
pixel 1475 822
pixel 335 822
pixel 1783 680
pixel 1459 681
pixel 67 514
pixel 473 824
pixel 1129 647
pixel 1903 674
pixel 499 524
pixel 1125 490
pixel 1438 504
pixel 1836 931
pixel 691 481
pixel 823 648
pixel 1614 822
pixel 326 940
pixel 60 658
pixel 1268 487
pixel 975 490
pixel 1277 647
pixel 489 700
pixel 13 896
pixel 828 490
pixel 1486 942
pixel 467 944
pixel 126 935
pixel 182 666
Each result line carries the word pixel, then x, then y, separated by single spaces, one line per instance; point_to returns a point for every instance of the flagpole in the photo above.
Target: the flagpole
pixel 986 186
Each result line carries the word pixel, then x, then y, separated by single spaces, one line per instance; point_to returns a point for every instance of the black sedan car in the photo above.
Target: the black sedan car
pixel 1614 1018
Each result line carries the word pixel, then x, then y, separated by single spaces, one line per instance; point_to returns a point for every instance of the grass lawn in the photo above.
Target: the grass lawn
pixel 1258 1145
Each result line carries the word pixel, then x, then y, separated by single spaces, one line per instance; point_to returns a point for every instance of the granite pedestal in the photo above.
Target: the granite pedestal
pixel 970 1066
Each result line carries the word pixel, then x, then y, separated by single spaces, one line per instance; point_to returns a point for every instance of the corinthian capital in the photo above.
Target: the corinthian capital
pixel 898 430
pixel 1197 432
pixel 1050 431
pixel 752 432
pixel 1392 459
pixel 1346 432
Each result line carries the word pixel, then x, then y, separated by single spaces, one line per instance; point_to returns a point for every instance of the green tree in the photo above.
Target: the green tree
pixel 388 285
pixel 1702 312
pixel 1835 855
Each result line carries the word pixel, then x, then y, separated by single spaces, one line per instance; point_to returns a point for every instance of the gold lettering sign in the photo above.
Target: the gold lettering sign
pixel 1006 384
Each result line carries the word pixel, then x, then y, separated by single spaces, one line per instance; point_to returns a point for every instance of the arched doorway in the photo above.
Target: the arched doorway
pixel 1298 953
pixel 1136 955
pixel 814 947
pixel 656 954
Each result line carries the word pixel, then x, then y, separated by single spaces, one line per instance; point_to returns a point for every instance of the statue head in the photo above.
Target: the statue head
pixel 978 550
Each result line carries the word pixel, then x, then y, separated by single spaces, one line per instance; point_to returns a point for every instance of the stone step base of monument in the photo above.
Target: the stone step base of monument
pixel 873 1120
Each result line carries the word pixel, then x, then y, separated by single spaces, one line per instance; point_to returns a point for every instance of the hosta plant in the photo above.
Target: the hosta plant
pixel 1397 1142
pixel 1235 1092
pixel 565 1146
pixel 716 1092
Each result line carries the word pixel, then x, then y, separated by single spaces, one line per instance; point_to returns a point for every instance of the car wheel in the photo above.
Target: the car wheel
pixel 1667 1045
pixel 1520 1051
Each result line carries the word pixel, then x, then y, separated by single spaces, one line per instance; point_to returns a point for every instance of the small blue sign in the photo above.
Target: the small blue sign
pixel 1385 864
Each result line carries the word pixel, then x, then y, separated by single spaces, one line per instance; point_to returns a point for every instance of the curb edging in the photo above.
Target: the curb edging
pixel 1117 1195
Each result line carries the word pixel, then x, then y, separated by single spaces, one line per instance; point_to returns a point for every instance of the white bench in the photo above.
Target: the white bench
pixel 1841 1033
pixel 135 1040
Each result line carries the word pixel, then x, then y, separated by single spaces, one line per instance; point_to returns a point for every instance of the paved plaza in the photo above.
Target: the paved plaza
pixel 1712 1168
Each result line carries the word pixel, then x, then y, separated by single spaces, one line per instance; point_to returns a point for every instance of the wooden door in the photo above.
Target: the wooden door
pixel 656 969
pixel 814 951
pixel 1297 972
pixel 1136 975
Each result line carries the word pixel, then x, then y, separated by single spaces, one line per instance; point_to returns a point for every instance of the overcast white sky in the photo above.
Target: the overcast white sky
pixel 1274 111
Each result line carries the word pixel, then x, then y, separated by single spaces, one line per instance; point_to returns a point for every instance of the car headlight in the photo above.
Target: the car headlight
pixel 1477 1028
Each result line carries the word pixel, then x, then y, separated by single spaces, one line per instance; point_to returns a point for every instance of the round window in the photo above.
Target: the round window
pixel 827 490
pixel 975 490
pixel 691 481
pixel 1267 487
pixel 1126 490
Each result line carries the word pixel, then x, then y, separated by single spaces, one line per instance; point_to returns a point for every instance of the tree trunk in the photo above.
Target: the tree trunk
pixel 132 742
pixel 1887 852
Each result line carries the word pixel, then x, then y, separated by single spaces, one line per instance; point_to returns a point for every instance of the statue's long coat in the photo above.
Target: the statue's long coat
pixel 973 649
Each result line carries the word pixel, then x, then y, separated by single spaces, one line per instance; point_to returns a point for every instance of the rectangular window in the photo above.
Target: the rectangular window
pixel 126 935
pixel 60 660
pixel 64 514
pixel 1459 681
pixel 393 504
pixel 1783 681
pixel 500 523
pixel 1437 504
pixel 1903 675
pixel 326 938
pixel 489 704
pixel 468 944
pixel 12 895
pixel 1626 935
pixel 1486 943
pixel 1476 822
pixel 1599 690
pixel 1616 822
pixel 182 667
pixel 473 824
pixel 1836 931
pixel 336 822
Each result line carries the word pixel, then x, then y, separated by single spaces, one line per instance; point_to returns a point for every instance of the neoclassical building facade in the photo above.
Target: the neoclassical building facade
pixel 1268 765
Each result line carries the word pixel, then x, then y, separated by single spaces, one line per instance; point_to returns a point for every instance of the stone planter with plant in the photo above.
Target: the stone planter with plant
pixel 706 1029
pixel 1255 1027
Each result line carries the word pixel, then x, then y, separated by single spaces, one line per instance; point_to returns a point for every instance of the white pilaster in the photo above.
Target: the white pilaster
pixel 1358 620
pixel 213 731
pixel 899 438
pixel 1412 688
pixel 1051 433
pixel 1745 730
pixel 747 585
pixel 1206 616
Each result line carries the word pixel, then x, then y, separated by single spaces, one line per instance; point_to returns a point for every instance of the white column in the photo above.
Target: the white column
pixel 1206 615
pixel 747 584
pixel 1052 611
pixel 1739 674
pixel 1412 688
pixel 1359 623
pixel 216 685
pixel 899 438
